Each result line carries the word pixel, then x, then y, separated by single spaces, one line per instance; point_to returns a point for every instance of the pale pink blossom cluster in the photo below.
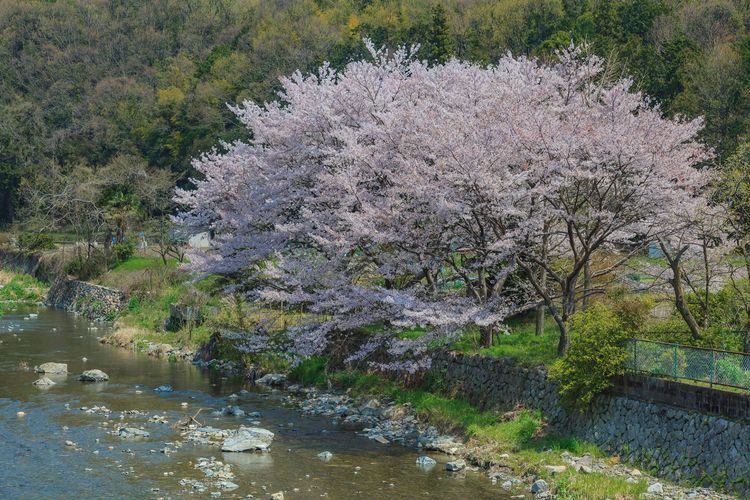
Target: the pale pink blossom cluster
pixel 413 196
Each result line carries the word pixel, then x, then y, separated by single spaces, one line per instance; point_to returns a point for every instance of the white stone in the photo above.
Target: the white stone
pixel 555 469
pixel 248 438
pixel 655 489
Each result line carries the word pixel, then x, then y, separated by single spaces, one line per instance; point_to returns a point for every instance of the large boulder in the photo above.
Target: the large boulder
pixel 93 376
pixel 248 439
pixel 53 368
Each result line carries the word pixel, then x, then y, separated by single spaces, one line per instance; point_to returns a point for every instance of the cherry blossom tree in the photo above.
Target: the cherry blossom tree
pixel 406 195
pixel 612 173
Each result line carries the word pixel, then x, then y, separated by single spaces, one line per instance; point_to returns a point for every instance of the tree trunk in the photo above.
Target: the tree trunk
pixel 564 342
pixel 746 343
pixel 707 289
pixel 540 320
pixel 543 285
pixel 586 285
pixel 681 303
pixel 486 336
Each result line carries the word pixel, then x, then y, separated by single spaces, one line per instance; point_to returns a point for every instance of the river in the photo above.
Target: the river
pixel 35 461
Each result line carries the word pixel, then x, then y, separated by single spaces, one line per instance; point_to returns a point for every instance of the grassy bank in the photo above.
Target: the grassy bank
pixel 20 288
pixel 152 286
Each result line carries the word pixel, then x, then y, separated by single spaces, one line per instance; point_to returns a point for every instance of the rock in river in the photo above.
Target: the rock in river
pixel 55 368
pixel 93 376
pixel 248 439
pixel 455 466
pixel 272 379
pixel 164 388
pixel 425 462
pixel 43 382
pixel 325 455
pixel 446 444
pixel 131 433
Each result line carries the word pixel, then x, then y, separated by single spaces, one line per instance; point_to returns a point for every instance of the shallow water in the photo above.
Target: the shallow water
pixel 36 463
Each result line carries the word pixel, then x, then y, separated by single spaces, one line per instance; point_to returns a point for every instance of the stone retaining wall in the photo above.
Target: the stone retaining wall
pixel 672 442
pixel 93 301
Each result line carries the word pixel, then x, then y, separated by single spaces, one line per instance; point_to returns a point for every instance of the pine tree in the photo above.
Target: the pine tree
pixel 439 46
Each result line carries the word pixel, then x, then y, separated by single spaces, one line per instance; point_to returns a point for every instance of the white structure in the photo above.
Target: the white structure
pixel 200 240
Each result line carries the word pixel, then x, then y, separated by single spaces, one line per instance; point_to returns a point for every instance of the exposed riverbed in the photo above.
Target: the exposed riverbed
pixel 95 463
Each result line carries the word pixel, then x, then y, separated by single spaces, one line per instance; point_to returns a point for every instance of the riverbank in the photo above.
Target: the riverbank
pixel 515 449
pixel 514 445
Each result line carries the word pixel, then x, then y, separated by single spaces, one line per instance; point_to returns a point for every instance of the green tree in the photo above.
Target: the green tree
pixel 438 47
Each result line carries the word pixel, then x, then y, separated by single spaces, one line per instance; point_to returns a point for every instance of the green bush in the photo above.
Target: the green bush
pixel 84 268
pixel 123 250
pixel 659 359
pixel 731 373
pixel 311 371
pixel 35 241
pixel 597 353
pixel 633 312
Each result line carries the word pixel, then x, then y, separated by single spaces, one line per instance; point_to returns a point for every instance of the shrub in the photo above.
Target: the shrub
pixel 633 313
pixel 671 363
pixel 123 250
pixel 84 268
pixel 597 353
pixel 730 372
pixel 35 241
pixel 311 371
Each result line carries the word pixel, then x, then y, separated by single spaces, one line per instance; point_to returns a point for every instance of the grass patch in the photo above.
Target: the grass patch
pixel 360 383
pixel 570 485
pixel 21 288
pixel 522 344
pixel 311 371
pixel 142 263
pixel 411 333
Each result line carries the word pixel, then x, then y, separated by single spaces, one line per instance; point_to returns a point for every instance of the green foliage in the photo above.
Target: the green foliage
pixel 522 344
pixel 123 250
pixel 358 382
pixel 141 263
pixel 310 372
pixel 596 354
pixel 35 241
pixel 632 311
pixel 729 371
pixel 438 47
pixel 85 268
pixel 156 76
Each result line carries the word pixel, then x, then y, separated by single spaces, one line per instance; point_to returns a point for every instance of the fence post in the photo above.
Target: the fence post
pixel 711 369
pixel 635 355
pixel 674 361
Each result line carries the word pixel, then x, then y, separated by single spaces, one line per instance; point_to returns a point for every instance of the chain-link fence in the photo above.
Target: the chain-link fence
pixel 680 362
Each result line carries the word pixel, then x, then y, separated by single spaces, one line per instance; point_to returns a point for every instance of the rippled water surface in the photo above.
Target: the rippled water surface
pixel 36 463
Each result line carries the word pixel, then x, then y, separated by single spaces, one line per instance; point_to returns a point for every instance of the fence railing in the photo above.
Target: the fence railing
pixel 680 362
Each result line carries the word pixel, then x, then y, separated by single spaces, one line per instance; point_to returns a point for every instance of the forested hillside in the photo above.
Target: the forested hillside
pixel 92 84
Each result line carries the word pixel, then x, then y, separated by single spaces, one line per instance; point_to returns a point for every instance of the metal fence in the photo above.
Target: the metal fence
pixel 680 362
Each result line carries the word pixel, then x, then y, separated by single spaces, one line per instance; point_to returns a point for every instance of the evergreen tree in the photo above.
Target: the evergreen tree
pixel 439 45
